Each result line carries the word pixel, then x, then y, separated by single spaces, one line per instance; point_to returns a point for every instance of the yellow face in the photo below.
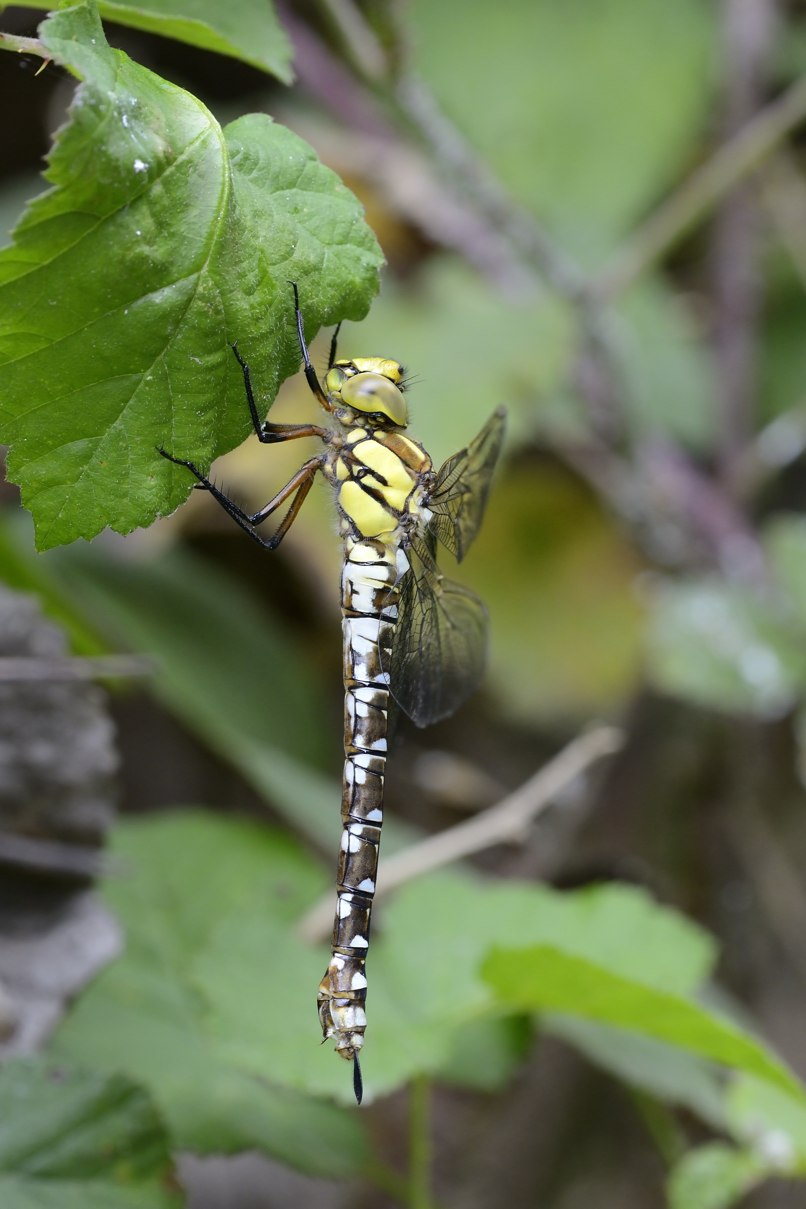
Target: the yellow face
pixel 370 387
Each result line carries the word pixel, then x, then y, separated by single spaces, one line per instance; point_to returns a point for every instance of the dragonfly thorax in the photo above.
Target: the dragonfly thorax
pixel 369 390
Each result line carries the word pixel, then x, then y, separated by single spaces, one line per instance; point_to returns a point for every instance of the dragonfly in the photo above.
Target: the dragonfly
pixel 408 632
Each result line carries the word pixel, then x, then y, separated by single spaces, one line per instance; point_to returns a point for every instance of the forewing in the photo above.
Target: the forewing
pixel 440 646
pixel 463 484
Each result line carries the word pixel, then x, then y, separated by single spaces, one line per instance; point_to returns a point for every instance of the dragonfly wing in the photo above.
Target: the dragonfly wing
pixel 440 647
pixel 462 486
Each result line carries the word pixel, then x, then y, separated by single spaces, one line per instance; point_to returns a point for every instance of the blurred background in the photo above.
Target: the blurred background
pixel 595 214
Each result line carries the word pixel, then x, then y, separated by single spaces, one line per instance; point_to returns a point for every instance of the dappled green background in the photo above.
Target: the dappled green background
pixel 642 560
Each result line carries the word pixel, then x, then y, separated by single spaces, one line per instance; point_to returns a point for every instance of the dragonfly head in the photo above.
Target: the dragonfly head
pixel 368 390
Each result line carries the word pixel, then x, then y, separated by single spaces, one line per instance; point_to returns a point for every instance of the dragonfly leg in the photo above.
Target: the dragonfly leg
pixel 310 372
pixel 297 486
pixel 334 343
pixel 265 431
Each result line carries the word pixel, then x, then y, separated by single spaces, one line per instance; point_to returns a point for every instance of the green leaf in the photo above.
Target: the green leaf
pixel 74 1140
pixel 785 543
pixel 601 103
pixel 543 978
pixel 216 990
pixel 666 1072
pixel 190 878
pixel 713 1177
pixel 420 1003
pixel 726 647
pixel 240 28
pixel 669 379
pixel 771 1122
pixel 27 571
pixel 485 1054
pixel 163 238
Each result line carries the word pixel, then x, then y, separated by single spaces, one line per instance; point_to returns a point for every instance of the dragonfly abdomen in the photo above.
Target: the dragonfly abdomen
pixel 369 608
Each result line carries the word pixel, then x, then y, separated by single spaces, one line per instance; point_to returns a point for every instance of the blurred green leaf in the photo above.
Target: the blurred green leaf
pixel 483 1055
pixel 601 104
pixel 670 384
pixel 543 977
pixel 22 568
pixel 785 542
pixel 191 878
pixel 162 239
pixel 713 1177
pixel 781 351
pixel 224 666
pixel 770 1122
pixel 240 28
pixel 726 647
pixel 664 1071
pixel 75 1140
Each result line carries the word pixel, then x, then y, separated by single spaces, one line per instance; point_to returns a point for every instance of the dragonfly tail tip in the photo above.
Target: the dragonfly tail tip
pixel 358 1083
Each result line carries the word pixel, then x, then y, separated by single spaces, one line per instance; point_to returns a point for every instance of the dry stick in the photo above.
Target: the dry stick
pixel 505 822
pixel 700 193
pixel 38 668
pixel 54 857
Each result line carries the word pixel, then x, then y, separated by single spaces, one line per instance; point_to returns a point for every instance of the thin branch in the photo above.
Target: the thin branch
pixel 54 857
pixel 506 822
pixel 26 668
pixel 23 46
pixel 701 192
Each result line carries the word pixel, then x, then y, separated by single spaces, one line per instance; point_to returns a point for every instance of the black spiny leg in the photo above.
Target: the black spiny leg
pixel 298 486
pixel 310 372
pixel 265 431
pixel 334 343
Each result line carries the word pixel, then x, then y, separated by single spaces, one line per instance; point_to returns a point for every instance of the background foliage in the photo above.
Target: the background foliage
pixel 594 213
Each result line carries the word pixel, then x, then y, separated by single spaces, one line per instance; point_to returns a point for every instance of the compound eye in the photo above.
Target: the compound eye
pixel 369 393
pixel 334 380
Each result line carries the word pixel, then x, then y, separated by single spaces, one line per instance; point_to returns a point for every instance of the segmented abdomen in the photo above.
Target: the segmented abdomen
pixel 369 609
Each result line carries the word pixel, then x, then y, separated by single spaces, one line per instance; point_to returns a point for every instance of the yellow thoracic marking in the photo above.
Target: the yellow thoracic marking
pixel 396 481
pixel 369 516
